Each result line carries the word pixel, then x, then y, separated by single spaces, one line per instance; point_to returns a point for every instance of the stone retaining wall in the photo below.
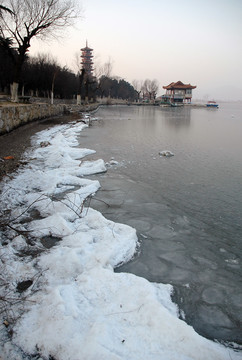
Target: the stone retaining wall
pixel 13 116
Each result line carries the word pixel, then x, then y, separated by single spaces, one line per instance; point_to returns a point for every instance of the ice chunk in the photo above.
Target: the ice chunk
pixel 166 153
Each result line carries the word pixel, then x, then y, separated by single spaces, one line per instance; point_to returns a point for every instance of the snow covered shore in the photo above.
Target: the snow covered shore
pixel 76 307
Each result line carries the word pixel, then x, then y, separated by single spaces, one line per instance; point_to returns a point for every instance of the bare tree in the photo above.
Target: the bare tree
pixel 38 18
pixel 104 69
pixel 138 85
pixel 103 75
pixel 108 68
pixel 76 63
pixel 4 8
pixel 154 86
pixel 151 87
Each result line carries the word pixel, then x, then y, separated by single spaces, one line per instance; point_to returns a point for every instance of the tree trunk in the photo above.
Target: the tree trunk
pixel 14 92
pixel 80 85
pixel 52 97
pixel 78 99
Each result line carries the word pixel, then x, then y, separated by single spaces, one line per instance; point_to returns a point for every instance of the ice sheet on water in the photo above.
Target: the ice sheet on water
pixel 212 295
pixel 158 231
pixel 83 309
pixel 215 318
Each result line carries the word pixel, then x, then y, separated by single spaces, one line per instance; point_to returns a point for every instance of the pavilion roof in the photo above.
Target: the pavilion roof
pixel 179 85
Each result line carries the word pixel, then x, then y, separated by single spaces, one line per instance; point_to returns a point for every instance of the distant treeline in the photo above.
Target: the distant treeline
pixel 42 74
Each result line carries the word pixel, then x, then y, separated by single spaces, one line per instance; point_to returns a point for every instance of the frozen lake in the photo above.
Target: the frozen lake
pixel 186 208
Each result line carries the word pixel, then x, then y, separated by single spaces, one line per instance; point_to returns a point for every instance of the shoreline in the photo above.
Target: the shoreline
pixel 114 314
pixel 19 137
pixel 14 143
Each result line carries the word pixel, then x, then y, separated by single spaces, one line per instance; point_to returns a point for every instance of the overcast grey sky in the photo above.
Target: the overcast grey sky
pixel 195 41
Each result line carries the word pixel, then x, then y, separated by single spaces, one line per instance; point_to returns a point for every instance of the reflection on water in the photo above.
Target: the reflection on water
pixel 177 117
pixel 186 209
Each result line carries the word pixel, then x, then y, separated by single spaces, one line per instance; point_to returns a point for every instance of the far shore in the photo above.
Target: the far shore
pixel 88 106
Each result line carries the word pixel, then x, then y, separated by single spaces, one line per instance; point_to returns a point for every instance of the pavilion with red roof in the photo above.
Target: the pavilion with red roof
pixel 178 92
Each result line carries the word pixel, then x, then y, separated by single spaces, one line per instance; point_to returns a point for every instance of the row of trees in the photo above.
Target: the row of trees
pixel 23 20
pixel 146 90
pixel 42 76
pixel 115 88
pixel 20 22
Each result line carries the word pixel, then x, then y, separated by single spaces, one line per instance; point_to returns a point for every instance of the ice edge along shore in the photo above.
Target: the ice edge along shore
pixel 77 306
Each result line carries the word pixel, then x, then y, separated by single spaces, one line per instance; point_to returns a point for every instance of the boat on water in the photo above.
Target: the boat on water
pixel 212 104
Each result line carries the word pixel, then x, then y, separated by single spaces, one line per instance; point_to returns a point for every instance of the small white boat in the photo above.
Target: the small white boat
pixel 212 104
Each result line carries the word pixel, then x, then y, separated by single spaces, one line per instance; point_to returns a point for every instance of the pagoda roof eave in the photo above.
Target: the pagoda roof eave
pixel 86 49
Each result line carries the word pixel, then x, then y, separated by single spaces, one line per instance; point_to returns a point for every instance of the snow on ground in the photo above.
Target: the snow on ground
pixel 77 308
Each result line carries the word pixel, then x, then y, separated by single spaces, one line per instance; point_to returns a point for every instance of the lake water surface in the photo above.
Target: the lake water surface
pixel 186 208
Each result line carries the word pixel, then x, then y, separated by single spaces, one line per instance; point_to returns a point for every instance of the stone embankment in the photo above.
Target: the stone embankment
pixel 12 116
pixel 15 115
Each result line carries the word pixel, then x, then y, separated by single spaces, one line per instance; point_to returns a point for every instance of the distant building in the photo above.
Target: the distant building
pixel 86 60
pixel 178 92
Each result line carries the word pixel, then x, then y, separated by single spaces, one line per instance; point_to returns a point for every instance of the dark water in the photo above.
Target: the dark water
pixel 186 208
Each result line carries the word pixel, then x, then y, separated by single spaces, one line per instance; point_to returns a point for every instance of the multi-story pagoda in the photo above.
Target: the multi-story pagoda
pixel 178 92
pixel 86 60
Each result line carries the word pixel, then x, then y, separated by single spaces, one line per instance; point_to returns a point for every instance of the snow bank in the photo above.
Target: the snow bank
pixel 90 312
pixel 82 309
